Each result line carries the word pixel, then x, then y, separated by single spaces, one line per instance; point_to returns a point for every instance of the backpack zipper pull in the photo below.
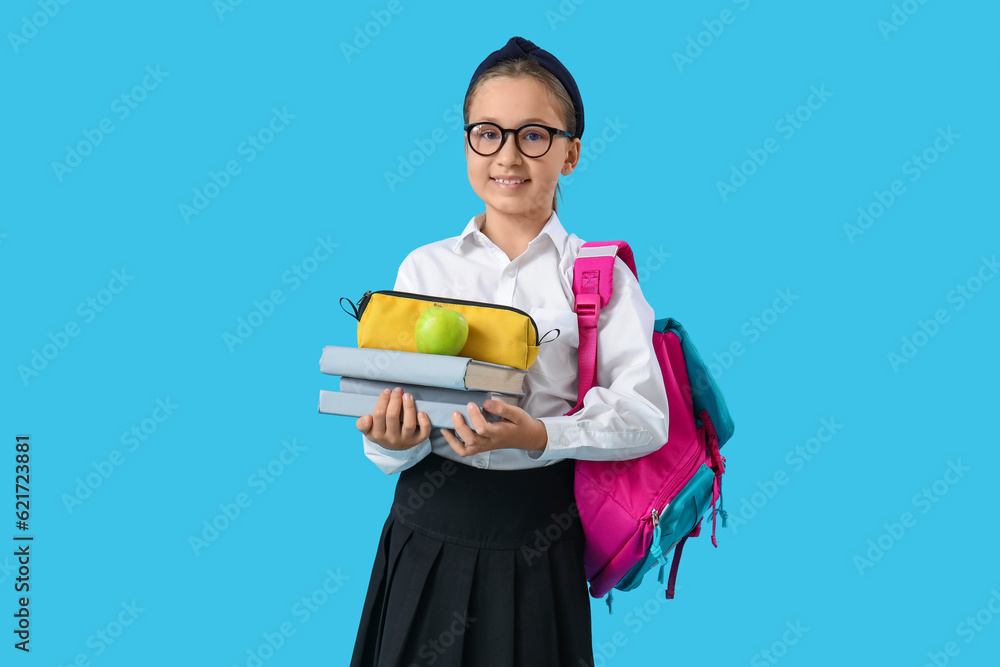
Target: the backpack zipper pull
pixel 654 549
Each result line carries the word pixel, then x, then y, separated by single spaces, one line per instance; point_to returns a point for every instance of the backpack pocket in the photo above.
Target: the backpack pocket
pixel 677 519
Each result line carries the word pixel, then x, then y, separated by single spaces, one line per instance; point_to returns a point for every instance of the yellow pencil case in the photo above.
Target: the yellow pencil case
pixel 498 334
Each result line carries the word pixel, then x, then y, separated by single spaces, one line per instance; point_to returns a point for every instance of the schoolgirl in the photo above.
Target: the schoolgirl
pixel 480 560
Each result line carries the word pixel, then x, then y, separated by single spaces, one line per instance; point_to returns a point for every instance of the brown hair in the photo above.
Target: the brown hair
pixel 528 67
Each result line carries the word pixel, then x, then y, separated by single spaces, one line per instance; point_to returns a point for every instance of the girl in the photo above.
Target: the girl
pixel 480 561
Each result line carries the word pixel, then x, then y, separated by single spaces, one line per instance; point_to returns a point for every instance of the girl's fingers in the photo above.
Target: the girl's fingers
pixel 409 415
pixel 456 446
pixel 378 416
pixel 463 431
pixel 392 422
pixel 425 426
pixel 364 423
pixel 476 417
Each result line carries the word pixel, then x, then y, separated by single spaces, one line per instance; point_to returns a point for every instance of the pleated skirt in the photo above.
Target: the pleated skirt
pixel 478 568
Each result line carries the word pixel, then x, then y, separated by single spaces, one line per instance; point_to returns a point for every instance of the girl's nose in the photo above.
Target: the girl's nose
pixel 508 153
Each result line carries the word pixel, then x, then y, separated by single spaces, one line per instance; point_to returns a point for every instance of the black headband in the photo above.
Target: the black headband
pixel 518 48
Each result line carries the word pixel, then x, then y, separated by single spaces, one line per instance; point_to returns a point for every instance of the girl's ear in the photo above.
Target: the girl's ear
pixel 572 157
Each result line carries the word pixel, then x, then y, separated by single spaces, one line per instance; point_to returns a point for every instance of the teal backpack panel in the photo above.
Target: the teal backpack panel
pixel 704 390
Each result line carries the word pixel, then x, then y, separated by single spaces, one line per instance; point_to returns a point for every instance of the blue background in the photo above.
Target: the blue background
pixel 792 560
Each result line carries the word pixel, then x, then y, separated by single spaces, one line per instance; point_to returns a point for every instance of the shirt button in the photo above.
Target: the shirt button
pixel 510 272
pixel 480 463
pixel 564 440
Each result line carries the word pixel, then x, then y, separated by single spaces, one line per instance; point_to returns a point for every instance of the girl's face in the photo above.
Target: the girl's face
pixel 511 102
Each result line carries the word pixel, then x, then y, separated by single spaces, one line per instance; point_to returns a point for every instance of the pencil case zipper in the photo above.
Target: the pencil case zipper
pixel 363 303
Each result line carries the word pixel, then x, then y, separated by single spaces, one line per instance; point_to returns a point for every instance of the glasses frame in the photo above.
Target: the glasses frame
pixel 553 132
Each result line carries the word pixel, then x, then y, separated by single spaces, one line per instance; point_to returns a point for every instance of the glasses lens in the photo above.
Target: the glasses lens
pixel 485 138
pixel 534 140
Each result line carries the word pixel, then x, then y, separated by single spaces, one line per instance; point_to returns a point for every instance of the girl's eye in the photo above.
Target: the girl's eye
pixel 532 135
pixel 487 133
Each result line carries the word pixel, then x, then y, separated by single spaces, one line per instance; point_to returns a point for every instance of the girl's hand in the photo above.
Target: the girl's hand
pixel 383 426
pixel 517 430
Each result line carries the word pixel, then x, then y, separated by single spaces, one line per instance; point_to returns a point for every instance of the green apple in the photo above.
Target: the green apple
pixel 441 331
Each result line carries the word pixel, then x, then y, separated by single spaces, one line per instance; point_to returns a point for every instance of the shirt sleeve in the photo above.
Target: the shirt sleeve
pixel 625 414
pixel 392 461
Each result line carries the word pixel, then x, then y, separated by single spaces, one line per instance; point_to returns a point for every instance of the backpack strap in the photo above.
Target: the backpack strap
pixel 695 532
pixel 673 567
pixel 593 284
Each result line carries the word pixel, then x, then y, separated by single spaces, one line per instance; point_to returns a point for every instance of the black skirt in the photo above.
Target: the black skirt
pixel 476 568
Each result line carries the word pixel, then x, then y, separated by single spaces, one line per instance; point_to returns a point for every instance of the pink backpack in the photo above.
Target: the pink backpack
pixel 635 512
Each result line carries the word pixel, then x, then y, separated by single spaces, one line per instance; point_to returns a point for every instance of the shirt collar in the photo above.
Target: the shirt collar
pixel 552 228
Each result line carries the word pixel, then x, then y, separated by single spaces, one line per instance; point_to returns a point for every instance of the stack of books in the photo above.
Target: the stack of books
pixel 439 384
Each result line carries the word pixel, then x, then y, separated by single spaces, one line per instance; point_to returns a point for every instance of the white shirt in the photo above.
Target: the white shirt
pixel 623 416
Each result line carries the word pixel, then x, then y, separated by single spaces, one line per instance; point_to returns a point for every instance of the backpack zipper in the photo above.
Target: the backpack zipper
pixel 654 516
pixel 363 303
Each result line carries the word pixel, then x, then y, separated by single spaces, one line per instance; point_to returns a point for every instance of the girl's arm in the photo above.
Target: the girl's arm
pixel 625 415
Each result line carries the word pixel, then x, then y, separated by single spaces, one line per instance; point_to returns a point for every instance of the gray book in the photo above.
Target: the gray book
pixel 424 393
pixel 434 370
pixel 357 405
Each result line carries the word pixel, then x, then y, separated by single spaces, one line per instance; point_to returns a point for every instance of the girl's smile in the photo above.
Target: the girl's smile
pixel 509 182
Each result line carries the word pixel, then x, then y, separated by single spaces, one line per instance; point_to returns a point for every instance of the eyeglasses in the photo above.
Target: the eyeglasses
pixel 532 140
